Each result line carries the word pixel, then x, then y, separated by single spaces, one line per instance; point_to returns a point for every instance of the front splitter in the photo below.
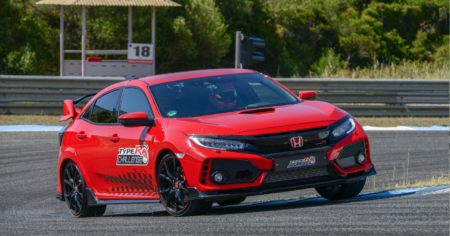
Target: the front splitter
pixel 195 194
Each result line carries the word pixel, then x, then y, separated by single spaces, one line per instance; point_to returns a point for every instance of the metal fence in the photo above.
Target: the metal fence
pixel 379 97
pixel 360 97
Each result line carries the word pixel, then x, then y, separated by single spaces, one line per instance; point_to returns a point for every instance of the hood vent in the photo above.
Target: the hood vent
pixel 258 111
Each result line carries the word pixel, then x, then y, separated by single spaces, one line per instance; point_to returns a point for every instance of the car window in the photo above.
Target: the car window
pixel 87 113
pixel 217 94
pixel 134 100
pixel 104 110
pixel 265 93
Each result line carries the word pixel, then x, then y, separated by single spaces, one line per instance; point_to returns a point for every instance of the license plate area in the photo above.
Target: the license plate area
pixel 300 161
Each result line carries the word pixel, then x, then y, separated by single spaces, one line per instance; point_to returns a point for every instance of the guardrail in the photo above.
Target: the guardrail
pixel 360 97
pixel 379 97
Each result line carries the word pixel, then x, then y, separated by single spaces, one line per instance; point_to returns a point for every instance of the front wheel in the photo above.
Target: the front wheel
pixel 75 194
pixel 339 192
pixel 172 189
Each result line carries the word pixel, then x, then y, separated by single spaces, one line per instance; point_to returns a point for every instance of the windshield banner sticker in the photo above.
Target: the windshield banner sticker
pixel 133 156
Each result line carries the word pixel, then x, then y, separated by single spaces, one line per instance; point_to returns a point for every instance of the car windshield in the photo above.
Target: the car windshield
pixel 218 94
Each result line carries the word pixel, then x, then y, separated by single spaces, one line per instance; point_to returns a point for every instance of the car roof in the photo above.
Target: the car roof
pixel 164 78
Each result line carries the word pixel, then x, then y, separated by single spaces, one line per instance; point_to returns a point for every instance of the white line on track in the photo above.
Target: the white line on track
pixel 413 128
pixel 371 195
pixel 446 190
pixel 26 128
pixel 381 194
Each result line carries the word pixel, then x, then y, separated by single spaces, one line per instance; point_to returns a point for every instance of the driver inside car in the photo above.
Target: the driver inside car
pixel 222 96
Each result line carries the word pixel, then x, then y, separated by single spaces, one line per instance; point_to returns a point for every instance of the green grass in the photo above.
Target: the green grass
pixel 403 70
pixel 434 181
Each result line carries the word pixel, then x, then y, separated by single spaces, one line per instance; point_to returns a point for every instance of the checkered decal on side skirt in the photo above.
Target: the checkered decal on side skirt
pixel 131 184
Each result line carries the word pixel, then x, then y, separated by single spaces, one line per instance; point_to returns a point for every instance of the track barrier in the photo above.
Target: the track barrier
pixel 359 97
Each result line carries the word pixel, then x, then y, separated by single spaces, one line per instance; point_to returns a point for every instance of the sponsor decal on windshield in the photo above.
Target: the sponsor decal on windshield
pixel 171 113
pixel 133 156
pixel 302 162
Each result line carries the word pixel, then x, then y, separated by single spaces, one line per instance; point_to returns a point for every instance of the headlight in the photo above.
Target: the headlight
pixel 219 144
pixel 344 129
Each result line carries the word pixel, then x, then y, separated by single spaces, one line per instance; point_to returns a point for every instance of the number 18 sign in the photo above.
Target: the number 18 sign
pixel 139 53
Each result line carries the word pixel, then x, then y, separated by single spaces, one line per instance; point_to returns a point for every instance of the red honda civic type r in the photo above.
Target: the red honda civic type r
pixel 190 139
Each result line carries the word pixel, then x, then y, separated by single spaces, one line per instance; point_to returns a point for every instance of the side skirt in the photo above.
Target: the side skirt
pixel 60 197
pixel 93 201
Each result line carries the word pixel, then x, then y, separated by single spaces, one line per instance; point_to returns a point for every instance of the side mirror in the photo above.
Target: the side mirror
pixel 307 95
pixel 135 119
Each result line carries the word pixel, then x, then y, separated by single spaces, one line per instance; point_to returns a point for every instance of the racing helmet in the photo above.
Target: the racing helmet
pixel 222 95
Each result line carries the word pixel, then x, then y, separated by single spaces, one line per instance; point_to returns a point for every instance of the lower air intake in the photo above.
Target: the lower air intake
pixel 239 171
pixel 347 158
pixel 298 176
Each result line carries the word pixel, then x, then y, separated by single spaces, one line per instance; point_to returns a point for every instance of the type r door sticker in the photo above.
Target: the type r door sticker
pixel 133 156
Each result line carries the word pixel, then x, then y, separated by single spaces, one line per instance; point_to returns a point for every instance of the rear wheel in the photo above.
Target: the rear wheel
pixel 338 192
pixel 232 201
pixel 75 195
pixel 172 189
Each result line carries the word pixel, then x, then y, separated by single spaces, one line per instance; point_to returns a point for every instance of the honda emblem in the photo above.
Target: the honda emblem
pixel 296 142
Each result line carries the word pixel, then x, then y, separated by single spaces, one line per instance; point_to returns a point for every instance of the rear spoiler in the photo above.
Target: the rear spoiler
pixel 69 111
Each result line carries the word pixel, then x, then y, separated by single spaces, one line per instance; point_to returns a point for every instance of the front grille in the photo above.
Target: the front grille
pixel 298 176
pixel 239 171
pixel 267 149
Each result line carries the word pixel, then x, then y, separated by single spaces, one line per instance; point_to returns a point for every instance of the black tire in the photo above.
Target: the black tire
pixel 232 201
pixel 172 189
pixel 75 195
pixel 339 192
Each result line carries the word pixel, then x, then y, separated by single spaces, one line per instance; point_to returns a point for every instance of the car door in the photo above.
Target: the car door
pixel 132 148
pixel 91 140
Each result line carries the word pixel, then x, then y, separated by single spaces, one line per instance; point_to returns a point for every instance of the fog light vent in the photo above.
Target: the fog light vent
pixel 361 158
pixel 350 155
pixel 220 177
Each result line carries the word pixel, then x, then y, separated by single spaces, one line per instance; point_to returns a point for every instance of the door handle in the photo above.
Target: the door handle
pixel 114 138
pixel 81 135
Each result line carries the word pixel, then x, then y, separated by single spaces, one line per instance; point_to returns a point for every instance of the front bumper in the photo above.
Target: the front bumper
pixel 198 160
pixel 195 194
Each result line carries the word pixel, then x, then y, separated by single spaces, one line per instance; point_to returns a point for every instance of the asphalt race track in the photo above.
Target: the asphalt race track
pixel 28 205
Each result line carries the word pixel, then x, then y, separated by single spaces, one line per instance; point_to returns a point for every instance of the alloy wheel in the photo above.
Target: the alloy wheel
pixel 172 186
pixel 73 189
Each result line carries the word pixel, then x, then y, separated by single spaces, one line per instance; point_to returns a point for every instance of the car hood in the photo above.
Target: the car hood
pixel 304 115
